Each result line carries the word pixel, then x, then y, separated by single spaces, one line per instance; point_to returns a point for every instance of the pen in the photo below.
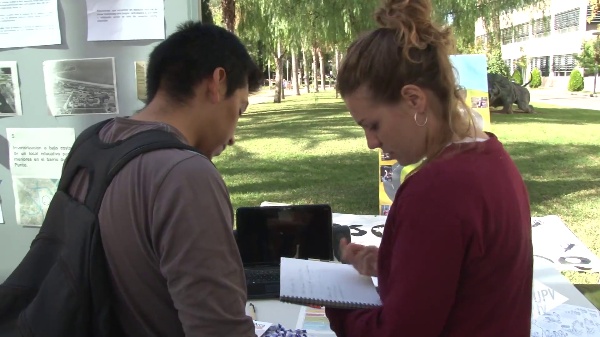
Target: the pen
pixel 253 311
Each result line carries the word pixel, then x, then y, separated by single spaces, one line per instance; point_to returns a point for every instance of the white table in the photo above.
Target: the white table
pixel 286 314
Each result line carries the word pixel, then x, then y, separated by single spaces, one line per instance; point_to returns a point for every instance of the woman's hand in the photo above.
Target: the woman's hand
pixel 362 258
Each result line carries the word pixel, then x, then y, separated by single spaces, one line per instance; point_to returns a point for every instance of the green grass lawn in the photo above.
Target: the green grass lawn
pixel 309 150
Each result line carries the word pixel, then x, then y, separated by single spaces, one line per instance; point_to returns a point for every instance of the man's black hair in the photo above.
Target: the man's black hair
pixel 191 54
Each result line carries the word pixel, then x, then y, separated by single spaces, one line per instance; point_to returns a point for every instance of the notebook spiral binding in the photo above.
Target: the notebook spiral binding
pixel 326 303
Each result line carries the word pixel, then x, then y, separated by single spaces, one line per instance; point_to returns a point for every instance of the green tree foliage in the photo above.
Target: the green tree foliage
pixel 517 77
pixel 589 58
pixel 575 81
pixel 496 64
pixel 536 78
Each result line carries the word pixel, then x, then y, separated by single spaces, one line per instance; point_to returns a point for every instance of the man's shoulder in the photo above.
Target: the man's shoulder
pixel 181 163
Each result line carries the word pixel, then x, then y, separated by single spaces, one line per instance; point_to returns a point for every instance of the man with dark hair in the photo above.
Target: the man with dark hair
pixel 166 219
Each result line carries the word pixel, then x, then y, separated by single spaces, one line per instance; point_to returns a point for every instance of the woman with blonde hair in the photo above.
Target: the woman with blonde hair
pixel 456 257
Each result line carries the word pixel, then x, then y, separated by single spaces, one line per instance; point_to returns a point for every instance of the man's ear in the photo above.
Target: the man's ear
pixel 414 96
pixel 218 85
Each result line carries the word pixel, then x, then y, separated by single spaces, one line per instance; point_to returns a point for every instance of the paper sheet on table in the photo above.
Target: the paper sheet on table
pixel 314 321
pixel 261 327
pixel 29 23
pixel 567 321
pixel 110 20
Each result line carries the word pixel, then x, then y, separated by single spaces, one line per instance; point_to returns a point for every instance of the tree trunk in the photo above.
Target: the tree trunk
pixel 207 17
pixel 337 68
pixel 295 81
pixel 322 64
pixel 278 75
pixel 595 78
pixel 306 71
pixel 315 68
pixel 228 10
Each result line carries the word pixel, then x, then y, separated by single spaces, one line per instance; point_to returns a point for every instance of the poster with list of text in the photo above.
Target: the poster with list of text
pixel 112 20
pixel 26 23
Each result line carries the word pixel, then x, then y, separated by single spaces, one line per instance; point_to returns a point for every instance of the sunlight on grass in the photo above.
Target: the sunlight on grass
pixel 309 150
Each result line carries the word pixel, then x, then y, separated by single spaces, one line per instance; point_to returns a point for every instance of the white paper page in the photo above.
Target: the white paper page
pixel 110 20
pixel 10 93
pixel 326 280
pixel 567 321
pixel 29 23
pixel 36 158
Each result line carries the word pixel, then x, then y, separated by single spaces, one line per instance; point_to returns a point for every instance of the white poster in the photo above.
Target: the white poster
pixel 110 20
pixel 26 23
pixel 81 86
pixel 36 159
pixel 554 242
pixel 552 239
pixel 10 94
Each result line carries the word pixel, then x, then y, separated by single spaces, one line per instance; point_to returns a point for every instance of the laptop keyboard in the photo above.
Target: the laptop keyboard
pixel 262 276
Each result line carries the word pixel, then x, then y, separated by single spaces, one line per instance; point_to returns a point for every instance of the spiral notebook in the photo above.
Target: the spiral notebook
pixel 329 284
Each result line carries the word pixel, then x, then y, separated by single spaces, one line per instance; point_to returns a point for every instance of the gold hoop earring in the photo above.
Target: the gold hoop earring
pixel 416 122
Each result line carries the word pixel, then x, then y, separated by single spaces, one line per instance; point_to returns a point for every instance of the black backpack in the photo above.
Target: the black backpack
pixel 61 287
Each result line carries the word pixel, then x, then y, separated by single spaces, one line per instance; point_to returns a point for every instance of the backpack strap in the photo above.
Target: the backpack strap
pixel 102 161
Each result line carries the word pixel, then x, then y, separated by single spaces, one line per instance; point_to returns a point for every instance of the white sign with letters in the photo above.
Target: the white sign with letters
pixel 552 239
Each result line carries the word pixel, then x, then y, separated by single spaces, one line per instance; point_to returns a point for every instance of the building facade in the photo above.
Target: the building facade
pixel 547 37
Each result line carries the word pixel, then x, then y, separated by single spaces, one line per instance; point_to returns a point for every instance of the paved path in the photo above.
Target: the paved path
pixel 565 99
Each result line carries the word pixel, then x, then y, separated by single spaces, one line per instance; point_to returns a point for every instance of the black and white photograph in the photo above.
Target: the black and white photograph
pixel 81 86
pixel 385 173
pixel 10 95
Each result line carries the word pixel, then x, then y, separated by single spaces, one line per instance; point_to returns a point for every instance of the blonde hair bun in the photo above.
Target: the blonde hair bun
pixel 412 20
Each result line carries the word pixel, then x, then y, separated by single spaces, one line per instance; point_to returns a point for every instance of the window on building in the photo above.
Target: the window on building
pixel 562 65
pixel 541 27
pixel 542 63
pixel 567 21
pixel 515 65
pixel 506 35
pixel 596 19
pixel 522 32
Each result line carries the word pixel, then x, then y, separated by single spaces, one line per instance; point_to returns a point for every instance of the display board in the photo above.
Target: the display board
pixel 64 65
pixel 471 73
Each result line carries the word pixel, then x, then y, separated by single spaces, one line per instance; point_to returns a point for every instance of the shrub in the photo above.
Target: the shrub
pixel 496 64
pixel 575 81
pixel 517 77
pixel 536 78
